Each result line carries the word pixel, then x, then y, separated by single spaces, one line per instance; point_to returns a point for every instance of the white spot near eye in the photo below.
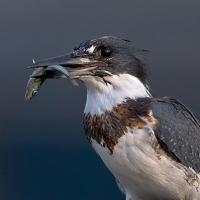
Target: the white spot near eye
pixel 91 49
pixel 33 61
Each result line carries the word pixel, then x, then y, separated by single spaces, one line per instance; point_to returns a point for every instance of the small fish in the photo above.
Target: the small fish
pixel 39 76
pixel 34 83
pixel 56 67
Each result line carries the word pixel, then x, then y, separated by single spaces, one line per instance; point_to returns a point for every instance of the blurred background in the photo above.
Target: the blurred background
pixel 44 154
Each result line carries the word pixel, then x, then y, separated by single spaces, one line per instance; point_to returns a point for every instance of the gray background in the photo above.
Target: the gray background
pixel 43 152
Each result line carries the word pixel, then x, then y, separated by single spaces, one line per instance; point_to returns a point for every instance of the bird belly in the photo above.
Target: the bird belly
pixel 146 172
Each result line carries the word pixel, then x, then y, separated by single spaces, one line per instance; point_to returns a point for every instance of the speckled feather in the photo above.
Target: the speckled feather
pixel 179 130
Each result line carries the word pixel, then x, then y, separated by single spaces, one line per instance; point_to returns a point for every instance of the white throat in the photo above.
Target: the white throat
pixel 103 97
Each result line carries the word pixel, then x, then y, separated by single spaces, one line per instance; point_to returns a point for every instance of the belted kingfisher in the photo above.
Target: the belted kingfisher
pixel 150 145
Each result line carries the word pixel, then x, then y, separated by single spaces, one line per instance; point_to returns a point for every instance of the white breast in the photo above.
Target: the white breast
pixel 143 173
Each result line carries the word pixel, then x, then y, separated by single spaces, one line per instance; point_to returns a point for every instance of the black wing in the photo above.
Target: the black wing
pixel 178 130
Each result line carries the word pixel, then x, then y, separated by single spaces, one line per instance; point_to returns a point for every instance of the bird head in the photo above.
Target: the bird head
pixel 108 65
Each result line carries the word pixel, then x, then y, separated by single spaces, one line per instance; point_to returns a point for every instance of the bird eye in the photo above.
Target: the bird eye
pixel 105 52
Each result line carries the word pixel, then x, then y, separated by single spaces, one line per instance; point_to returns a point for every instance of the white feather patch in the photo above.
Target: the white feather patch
pixel 91 49
pixel 103 97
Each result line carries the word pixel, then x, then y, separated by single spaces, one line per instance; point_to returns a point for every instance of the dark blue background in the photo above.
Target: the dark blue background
pixel 43 152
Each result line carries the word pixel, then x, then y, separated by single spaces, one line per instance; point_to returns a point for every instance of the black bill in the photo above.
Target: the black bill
pixel 58 67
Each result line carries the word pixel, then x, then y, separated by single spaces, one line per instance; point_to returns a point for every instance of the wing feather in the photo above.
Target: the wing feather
pixel 178 130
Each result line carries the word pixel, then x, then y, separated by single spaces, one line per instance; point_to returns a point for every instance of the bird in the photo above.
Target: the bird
pixel 150 145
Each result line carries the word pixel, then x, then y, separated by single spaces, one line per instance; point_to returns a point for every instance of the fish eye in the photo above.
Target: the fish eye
pixel 34 92
pixel 105 51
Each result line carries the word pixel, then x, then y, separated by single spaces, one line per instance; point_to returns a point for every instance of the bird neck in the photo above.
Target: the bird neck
pixel 108 95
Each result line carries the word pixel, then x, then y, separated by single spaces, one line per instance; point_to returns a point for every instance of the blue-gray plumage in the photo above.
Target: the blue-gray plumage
pixel 178 130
